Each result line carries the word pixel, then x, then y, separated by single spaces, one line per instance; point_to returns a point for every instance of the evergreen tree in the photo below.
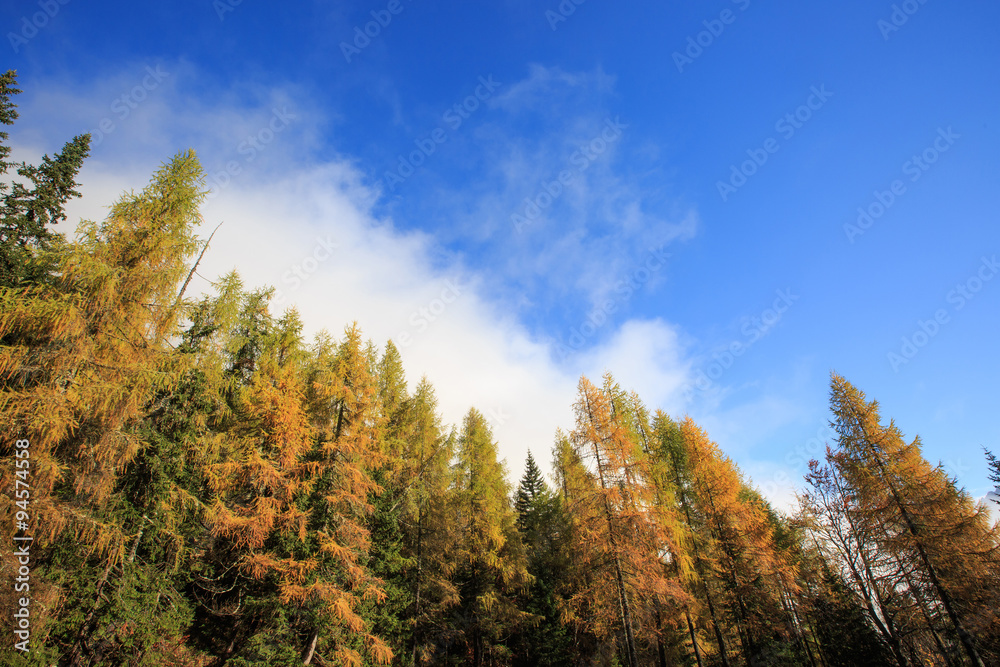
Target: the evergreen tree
pixel 8 114
pixel 848 543
pixel 544 528
pixel 619 537
pixel 83 356
pixel 532 487
pixel 393 396
pixel 943 543
pixel 489 559
pixel 994 466
pixel 26 211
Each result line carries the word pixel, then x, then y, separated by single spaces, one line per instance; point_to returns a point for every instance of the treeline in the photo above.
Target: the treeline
pixel 209 488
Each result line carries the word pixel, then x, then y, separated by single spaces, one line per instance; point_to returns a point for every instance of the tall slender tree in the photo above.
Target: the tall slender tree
pixel 620 540
pixel 672 451
pixel 848 543
pixel 84 352
pixel 429 534
pixel 929 525
pixel 31 204
pixel 531 488
pixel 737 548
pixel 490 563
pixel 83 356
pixel 544 529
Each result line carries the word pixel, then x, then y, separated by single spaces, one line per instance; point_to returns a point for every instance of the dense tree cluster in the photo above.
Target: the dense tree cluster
pixel 210 488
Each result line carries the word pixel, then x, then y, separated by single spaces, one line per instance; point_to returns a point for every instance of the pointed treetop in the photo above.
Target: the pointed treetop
pixel 35 199
pixel 8 112
pixel 532 481
pixel 994 465
pixel 392 379
pixel 531 488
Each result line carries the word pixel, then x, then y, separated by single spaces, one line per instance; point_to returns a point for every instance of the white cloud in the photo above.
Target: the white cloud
pixel 543 84
pixel 992 502
pixel 645 356
pixel 309 229
pixel 474 353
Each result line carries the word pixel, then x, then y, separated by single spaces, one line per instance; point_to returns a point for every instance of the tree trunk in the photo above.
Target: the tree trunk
pixel 795 624
pixel 967 642
pixel 416 584
pixel 80 645
pixel 922 603
pixel 626 614
pixel 661 650
pixel 311 650
pixel 694 638
pixel 623 605
pixel 723 651
pixel 887 629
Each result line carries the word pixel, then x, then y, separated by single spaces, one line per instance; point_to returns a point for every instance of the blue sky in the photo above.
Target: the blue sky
pixel 527 191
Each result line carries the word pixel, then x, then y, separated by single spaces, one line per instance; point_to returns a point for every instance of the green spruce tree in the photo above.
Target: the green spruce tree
pixel 544 529
pixel 30 205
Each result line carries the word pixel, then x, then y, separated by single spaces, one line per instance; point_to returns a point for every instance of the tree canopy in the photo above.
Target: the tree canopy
pixel 209 487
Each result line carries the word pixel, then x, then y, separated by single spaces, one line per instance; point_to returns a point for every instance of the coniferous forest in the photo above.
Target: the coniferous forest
pixel 206 486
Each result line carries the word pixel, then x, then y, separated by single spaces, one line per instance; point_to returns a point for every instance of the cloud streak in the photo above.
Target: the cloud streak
pixel 318 231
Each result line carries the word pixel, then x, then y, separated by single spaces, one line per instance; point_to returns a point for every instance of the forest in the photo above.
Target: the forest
pixel 191 482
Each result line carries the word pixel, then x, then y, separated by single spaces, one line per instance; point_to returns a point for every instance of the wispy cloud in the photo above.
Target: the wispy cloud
pixel 547 194
pixel 309 229
pixel 317 231
pixel 549 89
